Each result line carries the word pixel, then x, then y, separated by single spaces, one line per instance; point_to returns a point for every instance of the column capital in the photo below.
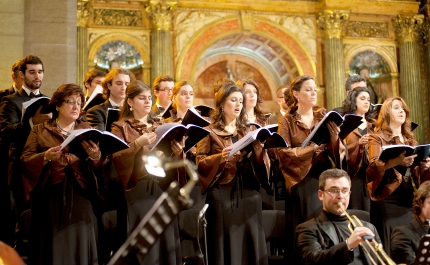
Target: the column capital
pixel 333 22
pixel 408 27
pixel 161 13
pixel 83 12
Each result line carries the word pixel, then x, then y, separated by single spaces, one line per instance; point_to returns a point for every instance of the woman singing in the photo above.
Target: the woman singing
pixel 391 188
pixel 62 186
pixel 136 126
pixel 235 232
pixel 301 166
pixel 358 102
pixel 182 99
pixel 253 101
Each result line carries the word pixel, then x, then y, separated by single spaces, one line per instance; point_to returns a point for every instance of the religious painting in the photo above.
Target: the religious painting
pixel 118 53
pixel 376 70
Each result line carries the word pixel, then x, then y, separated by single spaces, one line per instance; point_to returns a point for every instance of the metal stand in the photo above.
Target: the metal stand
pixel 204 224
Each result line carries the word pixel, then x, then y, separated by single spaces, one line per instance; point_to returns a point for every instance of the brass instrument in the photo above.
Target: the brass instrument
pixel 374 246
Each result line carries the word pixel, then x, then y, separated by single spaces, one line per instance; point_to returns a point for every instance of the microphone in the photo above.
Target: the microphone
pixel 203 211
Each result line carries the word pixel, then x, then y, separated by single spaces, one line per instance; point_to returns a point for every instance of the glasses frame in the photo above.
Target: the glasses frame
pixel 340 192
pixel 72 102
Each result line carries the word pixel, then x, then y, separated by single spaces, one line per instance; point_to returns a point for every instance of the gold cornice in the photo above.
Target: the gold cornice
pixel 377 7
pixel 83 12
pixel 161 14
pixel 333 22
pixel 408 27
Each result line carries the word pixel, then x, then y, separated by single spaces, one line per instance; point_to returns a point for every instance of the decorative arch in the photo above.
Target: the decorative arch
pixel 383 52
pixel 101 40
pixel 204 38
pixel 386 85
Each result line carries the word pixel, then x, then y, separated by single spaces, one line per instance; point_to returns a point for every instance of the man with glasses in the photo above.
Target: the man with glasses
pixel 327 238
pixel 351 83
pixel 283 107
pixel 114 89
pixel 162 88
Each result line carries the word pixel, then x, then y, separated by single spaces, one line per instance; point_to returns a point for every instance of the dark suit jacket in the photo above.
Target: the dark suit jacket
pixel 405 241
pixel 96 116
pixel 6 92
pixel 155 110
pixel 13 131
pixel 317 243
pixel 274 118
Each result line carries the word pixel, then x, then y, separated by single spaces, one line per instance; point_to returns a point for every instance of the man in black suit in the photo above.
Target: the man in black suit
pixel 283 107
pixel 17 81
pixel 13 131
pixel 114 89
pixel 162 89
pixel 327 239
pixel 405 239
pixel 351 83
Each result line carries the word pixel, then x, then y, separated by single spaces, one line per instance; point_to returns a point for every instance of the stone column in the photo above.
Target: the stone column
pixel 407 29
pixel 50 34
pixel 11 38
pixel 83 13
pixel 333 22
pixel 161 15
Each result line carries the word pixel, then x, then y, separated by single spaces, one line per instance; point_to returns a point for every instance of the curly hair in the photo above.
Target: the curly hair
pixel 133 90
pixel 61 93
pixel 353 79
pixel 384 119
pixel 217 114
pixel 420 196
pixel 257 109
pixel 219 83
pixel 109 79
pixel 296 85
pixel 89 77
pixel 175 91
pixel 349 105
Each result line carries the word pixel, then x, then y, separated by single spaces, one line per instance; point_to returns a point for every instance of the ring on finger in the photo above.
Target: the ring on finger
pixel 89 148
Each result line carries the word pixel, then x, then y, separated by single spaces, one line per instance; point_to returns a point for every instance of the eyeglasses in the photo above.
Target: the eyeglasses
pixel 166 89
pixel 72 102
pixel 336 192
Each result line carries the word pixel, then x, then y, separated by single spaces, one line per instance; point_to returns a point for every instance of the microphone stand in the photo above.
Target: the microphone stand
pixel 204 224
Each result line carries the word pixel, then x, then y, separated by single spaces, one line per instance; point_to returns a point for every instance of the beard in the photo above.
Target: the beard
pixel 30 84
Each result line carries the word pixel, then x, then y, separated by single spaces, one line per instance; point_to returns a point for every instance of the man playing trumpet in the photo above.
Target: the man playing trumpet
pixel 327 239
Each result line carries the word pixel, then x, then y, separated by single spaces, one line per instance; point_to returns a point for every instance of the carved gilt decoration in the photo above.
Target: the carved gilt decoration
pixel 83 12
pixel 161 14
pixel 112 17
pixel 368 29
pixel 408 27
pixel 303 28
pixel 333 22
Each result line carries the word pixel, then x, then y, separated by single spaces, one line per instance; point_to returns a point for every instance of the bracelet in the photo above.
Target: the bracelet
pixel 97 158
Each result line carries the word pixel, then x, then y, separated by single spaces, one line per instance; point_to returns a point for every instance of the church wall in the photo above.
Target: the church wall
pixel 11 38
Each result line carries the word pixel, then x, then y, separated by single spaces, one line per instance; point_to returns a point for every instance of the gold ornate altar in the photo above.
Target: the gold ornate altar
pixel 271 41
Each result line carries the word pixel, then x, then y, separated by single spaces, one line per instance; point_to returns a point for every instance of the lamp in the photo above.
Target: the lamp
pixel 161 214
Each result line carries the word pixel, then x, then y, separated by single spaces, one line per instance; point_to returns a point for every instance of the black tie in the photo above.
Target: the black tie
pixel 32 95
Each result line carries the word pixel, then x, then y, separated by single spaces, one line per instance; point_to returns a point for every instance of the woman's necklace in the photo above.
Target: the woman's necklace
pixel 66 132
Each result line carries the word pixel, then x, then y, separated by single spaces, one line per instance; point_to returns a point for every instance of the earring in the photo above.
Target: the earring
pixel 222 110
pixel 131 108
pixel 56 108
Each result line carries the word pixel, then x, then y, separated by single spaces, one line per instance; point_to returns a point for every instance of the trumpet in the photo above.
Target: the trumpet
pixel 374 246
